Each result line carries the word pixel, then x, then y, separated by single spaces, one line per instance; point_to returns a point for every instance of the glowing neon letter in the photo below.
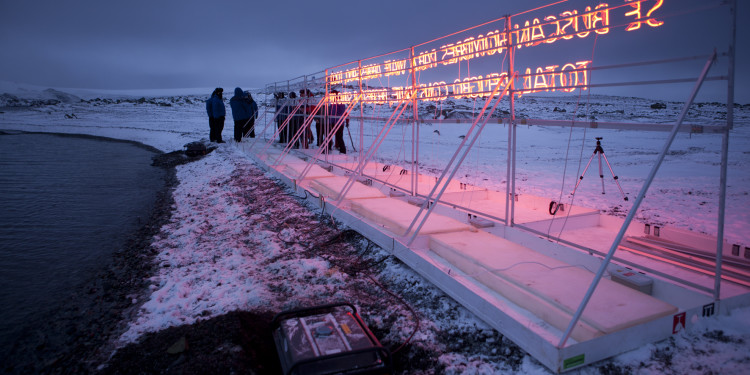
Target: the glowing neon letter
pixel 523 36
pixel 557 23
pixel 540 80
pixel 528 83
pixel 586 23
pixel 551 77
pixel 536 32
pixel 572 18
pixel 637 13
pixel 652 21
pixel 601 17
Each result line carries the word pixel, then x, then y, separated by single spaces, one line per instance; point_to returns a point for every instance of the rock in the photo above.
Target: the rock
pixel 178 347
pixel 658 106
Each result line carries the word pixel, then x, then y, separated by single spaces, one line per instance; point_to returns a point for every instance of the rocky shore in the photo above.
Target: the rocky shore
pixel 75 337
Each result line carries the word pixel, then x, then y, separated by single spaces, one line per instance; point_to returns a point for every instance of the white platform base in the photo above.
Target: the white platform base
pixel 523 285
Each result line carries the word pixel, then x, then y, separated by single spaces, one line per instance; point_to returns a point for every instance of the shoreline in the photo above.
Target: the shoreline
pixel 77 335
pixel 88 136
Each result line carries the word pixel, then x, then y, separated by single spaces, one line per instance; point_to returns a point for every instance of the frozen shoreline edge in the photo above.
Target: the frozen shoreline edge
pixel 80 331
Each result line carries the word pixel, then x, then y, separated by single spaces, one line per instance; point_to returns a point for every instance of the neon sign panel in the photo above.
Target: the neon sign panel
pixel 549 78
pixel 565 25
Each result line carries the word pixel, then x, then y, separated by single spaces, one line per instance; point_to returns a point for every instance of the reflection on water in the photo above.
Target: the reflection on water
pixel 66 203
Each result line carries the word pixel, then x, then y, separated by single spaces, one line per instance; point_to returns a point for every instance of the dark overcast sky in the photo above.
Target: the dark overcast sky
pixel 137 44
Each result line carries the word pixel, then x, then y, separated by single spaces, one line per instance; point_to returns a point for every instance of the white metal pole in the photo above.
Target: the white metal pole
pixel 510 186
pixel 725 150
pixel 414 168
pixel 324 119
pixel 361 109
pixel 303 137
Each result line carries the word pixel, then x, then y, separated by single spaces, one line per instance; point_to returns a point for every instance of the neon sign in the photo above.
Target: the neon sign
pixel 549 78
pixel 569 77
pixel 637 13
pixel 395 67
pixel 565 25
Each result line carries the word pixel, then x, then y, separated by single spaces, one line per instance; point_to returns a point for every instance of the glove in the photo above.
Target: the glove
pixel 347 123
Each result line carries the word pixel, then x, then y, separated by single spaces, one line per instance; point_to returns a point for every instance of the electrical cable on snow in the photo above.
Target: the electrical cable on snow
pixel 352 271
pixel 411 309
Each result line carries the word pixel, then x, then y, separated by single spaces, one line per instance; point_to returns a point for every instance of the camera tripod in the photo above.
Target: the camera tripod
pixel 599 152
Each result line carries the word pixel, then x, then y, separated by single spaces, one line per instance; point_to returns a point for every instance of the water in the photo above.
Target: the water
pixel 66 203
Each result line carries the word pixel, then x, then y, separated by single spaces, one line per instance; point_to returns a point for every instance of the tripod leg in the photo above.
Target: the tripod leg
pixel 601 174
pixel 615 178
pixel 582 174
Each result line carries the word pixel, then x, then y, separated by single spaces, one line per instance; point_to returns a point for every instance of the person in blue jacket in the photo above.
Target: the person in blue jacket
pixel 280 115
pixel 336 111
pixel 243 113
pixel 216 115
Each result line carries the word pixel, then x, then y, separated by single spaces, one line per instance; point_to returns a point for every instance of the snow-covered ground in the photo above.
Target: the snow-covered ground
pixel 224 250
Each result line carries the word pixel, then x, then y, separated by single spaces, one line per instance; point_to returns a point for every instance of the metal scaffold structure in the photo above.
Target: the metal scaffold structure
pixel 603 285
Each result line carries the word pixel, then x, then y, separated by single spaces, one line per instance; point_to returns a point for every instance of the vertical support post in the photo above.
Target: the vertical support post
pixel 361 108
pixel 725 150
pixel 275 91
pixel 510 186
pixel 415 144
pixel 324 122
pixel 303 137
pixel 288 99
pixel 414 167
pixel 361 138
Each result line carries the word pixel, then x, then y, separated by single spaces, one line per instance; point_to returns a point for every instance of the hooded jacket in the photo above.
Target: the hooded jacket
pixel 241 107
pixel 215 106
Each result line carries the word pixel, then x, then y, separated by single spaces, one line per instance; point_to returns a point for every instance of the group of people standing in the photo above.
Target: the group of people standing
pixel 244 113
pixel 325 120
pixel 296 119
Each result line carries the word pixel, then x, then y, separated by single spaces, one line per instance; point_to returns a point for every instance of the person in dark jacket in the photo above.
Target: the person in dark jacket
pixel 216 115
pixel 307 138
pixel 280 117
pixel 336 111
pixel 242 113
pixel 294 122
pixel 250 126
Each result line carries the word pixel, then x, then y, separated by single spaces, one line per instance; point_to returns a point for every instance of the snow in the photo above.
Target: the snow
pixel 226 248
